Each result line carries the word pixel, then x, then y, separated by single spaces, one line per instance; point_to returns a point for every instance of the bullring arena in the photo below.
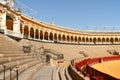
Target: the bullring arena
pixel 35 50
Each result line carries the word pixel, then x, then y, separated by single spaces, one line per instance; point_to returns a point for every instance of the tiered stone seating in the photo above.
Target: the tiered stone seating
pixel 73 51
pixel 12 56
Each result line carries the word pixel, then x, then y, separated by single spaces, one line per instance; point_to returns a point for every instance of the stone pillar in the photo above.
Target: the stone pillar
pixel 28 32
pixel 39 34
pixel 23 30
pixel 16 26
pixel 3 19
pixel 34 34
pixel 43 35
pixel 48 36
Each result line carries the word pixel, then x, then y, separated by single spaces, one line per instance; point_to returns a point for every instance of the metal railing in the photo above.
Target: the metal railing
pixel 53 52
pixel 11 69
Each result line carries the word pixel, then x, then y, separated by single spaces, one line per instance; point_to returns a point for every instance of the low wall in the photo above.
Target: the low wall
pixel 85 68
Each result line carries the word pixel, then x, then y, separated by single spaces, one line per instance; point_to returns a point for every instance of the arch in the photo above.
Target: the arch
pixel 51 36
pixel 99 39
pixel 68 38
pixel 83 39
pixel 46 35
pixel 31 32
pixel 112 40
pixel 103 39
pixel 116 39
pixel 72 38
pixel 87 40
pixel 9 22
pixel 76 39
pixel 37 33
pixel 79 39
pixel 26 31
pixel 94 40
pixel 63 37
pixel 91 40
pixel 107 40
pixel 59 37
pixel 41 34
pixel 21 28
pixel 55 37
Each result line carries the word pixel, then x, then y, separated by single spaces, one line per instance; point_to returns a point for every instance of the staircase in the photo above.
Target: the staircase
pixel 14 63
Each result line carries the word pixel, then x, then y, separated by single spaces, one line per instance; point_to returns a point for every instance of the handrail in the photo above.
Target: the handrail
pixel 59 55
pixel 11 69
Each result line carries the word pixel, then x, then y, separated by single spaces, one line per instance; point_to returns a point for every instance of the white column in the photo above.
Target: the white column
pixel 39 34
pixel 16 25
pixel 3 19
pixel 23 30
pixel 43 36
pixel 48 36
pixel 28 32
pixel 34 34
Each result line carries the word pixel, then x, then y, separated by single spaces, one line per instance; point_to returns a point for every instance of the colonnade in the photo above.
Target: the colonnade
pixel 65 37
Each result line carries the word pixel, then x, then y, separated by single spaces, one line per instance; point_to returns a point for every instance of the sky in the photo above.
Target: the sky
pixel 76 14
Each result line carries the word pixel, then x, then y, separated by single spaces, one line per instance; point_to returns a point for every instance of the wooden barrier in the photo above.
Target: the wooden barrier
pixel 93 73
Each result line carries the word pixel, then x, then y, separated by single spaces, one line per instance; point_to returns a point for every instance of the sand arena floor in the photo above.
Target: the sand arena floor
pixel 110 67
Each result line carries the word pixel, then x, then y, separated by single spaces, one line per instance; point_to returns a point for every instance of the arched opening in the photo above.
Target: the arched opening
pixel 46 35
pixel 90 39
pixel 112 40
pixel 87 40
pixel 75 39
pixel 59 37
pixel 37 33
pixel 107 40
pixel 55 37
pixel 41 35
pixel 9 23
pixel 63 37
pixel 68 38
pixel 21 28
pixel 83 39
pixel 31 32
pixel 79 39
pixel 99 40
pixel 26 31
pixel 116 40
pixel 72 38
pixel 103 40
pixel 51 36
pixel 94 40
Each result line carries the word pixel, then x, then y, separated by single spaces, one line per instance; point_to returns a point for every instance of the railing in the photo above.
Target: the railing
pixel 59 55
pixel 11 69
pixel 38 53
pixel 12 33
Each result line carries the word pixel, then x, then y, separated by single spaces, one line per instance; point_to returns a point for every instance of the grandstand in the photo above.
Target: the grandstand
pixel 35 50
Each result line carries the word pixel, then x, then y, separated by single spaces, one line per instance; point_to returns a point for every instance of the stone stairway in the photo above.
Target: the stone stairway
pixel 13 58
